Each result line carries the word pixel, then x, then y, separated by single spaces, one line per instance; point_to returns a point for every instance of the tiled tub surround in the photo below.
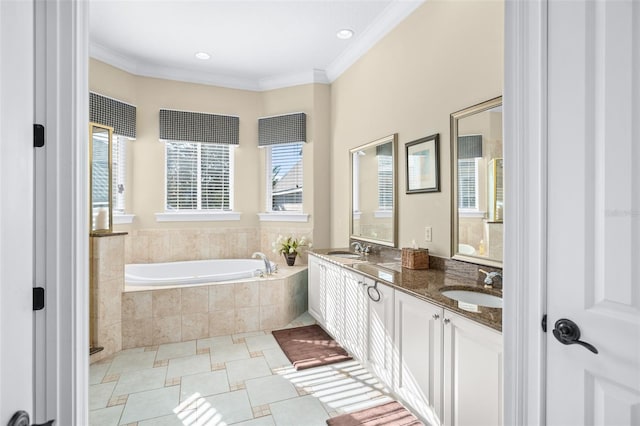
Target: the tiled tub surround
pixel 427 284
pixel 170 245
pixel 106 286
pixel 177 314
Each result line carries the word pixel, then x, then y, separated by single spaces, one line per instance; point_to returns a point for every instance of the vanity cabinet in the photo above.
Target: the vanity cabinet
pixel 356 310
pixel 418 355
pixel 326 295
pixel 473 358
pixel 334 301
pixel 316 285
pixel 444 366
pixel 380 348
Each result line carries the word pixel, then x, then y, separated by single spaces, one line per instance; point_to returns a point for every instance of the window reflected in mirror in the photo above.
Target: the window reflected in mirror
pixel 373 192
pixel 478 183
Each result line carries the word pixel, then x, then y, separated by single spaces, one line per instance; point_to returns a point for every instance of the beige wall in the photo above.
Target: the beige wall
pixel 146 161
pixel 445 57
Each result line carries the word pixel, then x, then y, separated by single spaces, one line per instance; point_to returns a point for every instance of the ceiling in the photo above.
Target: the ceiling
pixel 254 45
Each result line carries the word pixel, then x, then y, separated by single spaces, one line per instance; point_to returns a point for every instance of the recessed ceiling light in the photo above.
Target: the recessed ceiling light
pixel 203 55
pixel 344 34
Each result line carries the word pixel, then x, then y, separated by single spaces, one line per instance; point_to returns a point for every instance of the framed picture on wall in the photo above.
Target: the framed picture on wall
pixel 423 161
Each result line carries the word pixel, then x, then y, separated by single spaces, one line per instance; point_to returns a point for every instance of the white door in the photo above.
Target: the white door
pixel 594 211
pixel 16 208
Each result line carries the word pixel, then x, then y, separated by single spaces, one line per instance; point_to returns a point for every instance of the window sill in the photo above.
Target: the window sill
pixel 197 216
pixel 283 217
pixel 123 219
pixel 380 214
pixel 471 213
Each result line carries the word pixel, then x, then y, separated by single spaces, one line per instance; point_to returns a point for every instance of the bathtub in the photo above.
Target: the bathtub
pixel 192 272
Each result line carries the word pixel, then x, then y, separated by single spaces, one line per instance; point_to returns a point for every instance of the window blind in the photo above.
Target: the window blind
pixel 198 176
pixel 469 146
pixel 467 184
pixel 290 128
pixel 119 163
pixel 385 182
pixel 100 170
pixel 113 113
pixel 286 177
pixel 188 126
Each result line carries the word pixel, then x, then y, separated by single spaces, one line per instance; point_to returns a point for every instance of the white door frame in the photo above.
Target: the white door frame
pixel 525 243
pixel 525 148
pixel 66 118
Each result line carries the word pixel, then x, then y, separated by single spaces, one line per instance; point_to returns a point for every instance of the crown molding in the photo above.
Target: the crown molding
pixel 146 69
pixel 296 79
pixel 393 14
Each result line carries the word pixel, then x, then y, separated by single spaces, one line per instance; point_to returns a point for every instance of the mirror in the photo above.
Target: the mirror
pixel 373 192
pixel 478 183
pixel 100 194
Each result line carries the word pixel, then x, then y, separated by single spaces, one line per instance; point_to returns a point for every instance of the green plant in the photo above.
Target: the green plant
pixel 289 245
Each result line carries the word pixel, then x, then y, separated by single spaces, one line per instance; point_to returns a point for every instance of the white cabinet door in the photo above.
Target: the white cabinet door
pixel 316 289
pixel 380 337
pixel 418 355
pixel 355 314
pixel 472 373
pixel 334 300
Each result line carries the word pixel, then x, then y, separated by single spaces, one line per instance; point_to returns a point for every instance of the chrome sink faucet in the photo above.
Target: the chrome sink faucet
pixel 267 263
pixel 361 248
pixel 488 279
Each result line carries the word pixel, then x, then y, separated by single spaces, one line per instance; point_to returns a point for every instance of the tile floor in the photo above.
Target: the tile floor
pixel 241 379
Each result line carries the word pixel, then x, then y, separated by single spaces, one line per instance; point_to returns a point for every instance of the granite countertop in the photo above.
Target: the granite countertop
pixel 424 284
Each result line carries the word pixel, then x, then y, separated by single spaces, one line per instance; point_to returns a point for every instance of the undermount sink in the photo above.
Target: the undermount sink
pixel 345 254
pixel 474 298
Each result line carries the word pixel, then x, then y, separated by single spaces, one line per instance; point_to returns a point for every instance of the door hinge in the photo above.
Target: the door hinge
pixel 38 298
pixel 544 323
pixel 38 135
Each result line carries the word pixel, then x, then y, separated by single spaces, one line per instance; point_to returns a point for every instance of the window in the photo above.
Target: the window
pixel 198 176
pixel 385 182
pixel 118 170
pixel 468 184
pixel 284 177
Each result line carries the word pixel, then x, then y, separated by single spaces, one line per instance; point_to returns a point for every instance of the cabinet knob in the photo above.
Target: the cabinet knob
pixel 446 320
pixel 436 316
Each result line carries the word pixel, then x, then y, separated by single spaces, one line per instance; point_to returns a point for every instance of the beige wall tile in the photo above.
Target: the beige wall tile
pixel 195 326
pixel 110 338
pixel 136 305
pixel 140 249
pixel 159 247
pixel 195 300
pixel 247 294
pixel 166 303
pixel 167 329
pixel 222 322
pixel 109 302
pixel 272 292
pixel 137 333
pixel 247 319
pixel 273 317
pixel 221 297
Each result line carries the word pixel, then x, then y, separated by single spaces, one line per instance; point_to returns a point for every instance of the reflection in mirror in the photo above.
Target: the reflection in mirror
pixel 478 195
pixel 100 178
pixel 373 192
